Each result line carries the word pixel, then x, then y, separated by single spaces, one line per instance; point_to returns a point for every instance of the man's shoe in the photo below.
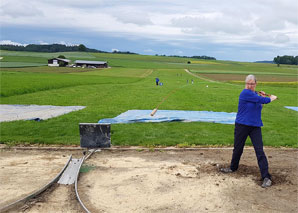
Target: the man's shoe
pixel 266 183
pixel 226 170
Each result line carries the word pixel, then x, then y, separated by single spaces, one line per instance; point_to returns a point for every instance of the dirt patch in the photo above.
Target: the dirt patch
pixel 239 77
pixel 59 198
pixel 187 181
pixel 157 181
pixel 23 172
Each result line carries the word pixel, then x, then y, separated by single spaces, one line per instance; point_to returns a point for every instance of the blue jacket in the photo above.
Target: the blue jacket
pixel 250 107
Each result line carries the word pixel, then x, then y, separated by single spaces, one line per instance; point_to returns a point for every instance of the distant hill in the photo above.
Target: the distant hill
pixel 51 48
pixel 48 48
pixel 267 62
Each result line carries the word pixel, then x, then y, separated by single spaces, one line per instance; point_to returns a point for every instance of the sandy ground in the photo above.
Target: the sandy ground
pixel 154 181
pixel 24 172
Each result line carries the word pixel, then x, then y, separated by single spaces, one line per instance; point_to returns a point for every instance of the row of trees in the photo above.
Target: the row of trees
pixel 55 48
pixel 48 48
pixel 81 48
pixel 124 52
pixel 204 57
pixel 286 59
pixel 197 57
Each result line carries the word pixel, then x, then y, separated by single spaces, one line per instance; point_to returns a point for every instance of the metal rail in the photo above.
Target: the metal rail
pixel 76 188
pixel 36 193
pixel 48 185
pixel 77 177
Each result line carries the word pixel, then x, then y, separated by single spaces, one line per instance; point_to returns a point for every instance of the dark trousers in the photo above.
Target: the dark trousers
pixel 241 133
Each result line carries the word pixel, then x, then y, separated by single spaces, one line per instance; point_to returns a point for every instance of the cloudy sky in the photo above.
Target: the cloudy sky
pixel 236 30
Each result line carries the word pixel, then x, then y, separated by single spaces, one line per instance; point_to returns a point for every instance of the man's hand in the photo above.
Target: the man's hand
pixel 262 93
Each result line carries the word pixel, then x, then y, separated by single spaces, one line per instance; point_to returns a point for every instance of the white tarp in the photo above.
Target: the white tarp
pixel 33 112
pixel 292 107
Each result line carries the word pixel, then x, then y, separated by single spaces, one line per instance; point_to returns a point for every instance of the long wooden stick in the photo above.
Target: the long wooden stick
pixel 165 98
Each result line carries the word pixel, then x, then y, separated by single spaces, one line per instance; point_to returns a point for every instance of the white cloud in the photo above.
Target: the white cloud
pixel 19 9
pixel 43 43
pixel 12 43
pixel 281 38
pixel 77 3
pixel 214 23
pixel 132 15
pixel 115 50
pixel 271 39
pixel 270 23
pixel 178 52
pixel 67 43
pixel 149 51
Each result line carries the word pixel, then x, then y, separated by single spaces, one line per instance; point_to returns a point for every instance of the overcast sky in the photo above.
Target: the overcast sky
pixel 236 30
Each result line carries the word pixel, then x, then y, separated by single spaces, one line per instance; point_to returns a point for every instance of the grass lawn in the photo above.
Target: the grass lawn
pixel 130 84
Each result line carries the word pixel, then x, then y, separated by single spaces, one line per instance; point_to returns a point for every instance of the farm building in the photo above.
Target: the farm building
pixel 97 64
pixel 58 62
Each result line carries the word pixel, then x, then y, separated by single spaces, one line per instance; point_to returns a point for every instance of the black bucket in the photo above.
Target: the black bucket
pixel 95 135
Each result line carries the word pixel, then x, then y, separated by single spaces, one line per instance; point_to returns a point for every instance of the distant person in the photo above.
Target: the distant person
pixel 156 81
pixel 248 123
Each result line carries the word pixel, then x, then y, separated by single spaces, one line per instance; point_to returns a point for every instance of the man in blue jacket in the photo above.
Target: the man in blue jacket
pixel 248 123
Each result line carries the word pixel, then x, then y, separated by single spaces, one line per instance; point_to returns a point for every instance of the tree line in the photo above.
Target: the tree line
pixel 196 57
pixel 55 48
pixel 286 59
pixel 48 48
pixel 82 48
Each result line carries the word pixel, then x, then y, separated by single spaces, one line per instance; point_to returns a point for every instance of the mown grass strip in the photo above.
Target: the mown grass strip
pixel 19 64
pixel 17 83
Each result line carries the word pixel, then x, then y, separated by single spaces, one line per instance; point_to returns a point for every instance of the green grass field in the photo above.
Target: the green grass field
pixel 130 84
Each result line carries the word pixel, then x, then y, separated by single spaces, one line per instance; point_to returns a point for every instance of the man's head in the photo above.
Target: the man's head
pixel 250 82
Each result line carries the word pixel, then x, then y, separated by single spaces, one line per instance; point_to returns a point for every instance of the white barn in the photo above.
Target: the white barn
pixel 56 62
